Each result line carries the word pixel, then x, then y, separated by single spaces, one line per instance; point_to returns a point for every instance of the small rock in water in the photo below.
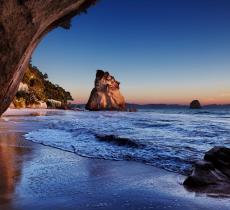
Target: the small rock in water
pixel 117 140
pixel 132 109
pixel 195 104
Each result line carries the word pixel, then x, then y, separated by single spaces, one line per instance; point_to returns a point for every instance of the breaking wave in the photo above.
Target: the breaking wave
pixel 172 140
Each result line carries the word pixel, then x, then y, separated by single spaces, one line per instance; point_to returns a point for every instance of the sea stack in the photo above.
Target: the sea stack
pixel 195 104
pixel 106 94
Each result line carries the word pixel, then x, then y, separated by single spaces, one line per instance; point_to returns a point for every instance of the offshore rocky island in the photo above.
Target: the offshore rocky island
pixel 106 94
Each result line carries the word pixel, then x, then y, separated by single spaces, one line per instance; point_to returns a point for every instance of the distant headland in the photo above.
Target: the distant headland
pixel 162 106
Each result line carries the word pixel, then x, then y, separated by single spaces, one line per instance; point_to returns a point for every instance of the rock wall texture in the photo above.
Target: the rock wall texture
pixel 212 174
pixel 23 23
pixel 106 94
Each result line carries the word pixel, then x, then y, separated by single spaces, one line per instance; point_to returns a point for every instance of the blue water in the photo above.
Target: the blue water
pixel 172 139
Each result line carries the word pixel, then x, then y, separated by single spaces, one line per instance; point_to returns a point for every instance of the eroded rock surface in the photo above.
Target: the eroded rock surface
pixel 23 23
pixel 211 175
pixel 106 94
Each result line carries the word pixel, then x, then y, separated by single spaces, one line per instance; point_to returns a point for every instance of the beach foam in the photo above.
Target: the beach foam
pixel 171 139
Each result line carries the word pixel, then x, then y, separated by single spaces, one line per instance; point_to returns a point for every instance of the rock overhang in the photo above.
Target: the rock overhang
pixel 22 25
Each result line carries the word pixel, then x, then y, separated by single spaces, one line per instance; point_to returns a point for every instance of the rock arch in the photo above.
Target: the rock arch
pixel 23 23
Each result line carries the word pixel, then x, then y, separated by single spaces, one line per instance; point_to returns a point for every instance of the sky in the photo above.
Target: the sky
pixel 162 51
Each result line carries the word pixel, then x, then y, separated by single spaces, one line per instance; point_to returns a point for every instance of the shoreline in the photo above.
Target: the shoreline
pixel 30 112
pixel 34 176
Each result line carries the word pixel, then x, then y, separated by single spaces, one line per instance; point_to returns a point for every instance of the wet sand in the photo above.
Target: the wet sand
pixel 34 176
pixel 29 112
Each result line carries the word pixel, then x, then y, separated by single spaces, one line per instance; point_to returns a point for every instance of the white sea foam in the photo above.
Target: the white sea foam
pixel 171 139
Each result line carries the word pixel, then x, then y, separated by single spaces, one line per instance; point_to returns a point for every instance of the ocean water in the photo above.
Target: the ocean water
pixel 172 139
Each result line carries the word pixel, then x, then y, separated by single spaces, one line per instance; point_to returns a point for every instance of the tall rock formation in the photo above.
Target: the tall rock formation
pixel 106 94
pixel 23 24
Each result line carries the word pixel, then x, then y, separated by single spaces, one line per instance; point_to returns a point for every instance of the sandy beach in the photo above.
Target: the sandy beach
pixel 29 112
pixel 34 176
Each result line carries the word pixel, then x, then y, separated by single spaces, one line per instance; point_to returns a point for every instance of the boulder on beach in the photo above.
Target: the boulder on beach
pixel 212 174
pixel 106 94
pixel 195 104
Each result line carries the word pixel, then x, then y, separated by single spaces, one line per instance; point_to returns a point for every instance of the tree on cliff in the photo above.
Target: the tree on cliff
pixel 40 88
pixel 56 92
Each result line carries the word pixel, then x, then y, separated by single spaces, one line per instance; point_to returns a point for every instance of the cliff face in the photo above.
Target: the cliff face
pixel 23 23
pixel 36 91
pixel 106 94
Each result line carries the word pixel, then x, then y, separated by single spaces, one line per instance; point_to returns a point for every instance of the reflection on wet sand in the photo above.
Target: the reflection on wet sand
pixel 34 176
pixel 11 162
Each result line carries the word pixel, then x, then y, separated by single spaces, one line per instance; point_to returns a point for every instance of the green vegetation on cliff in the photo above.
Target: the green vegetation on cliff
pixel 35 89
